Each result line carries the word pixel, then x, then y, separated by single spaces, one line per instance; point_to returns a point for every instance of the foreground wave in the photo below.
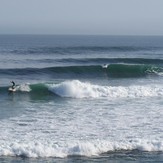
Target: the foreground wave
pixel 78 89
pixel 37 149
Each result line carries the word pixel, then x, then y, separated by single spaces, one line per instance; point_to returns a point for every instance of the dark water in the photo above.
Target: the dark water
pixel 81 99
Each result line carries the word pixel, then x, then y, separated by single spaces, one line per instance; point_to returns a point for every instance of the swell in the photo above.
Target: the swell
pixel 110 60
pixel 109 70
pixel 81 49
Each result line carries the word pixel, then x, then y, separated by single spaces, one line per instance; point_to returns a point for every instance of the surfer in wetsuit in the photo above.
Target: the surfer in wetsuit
pixel 13 84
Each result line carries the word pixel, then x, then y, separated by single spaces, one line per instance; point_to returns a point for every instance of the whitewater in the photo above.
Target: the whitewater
pixel 81 99
pixel 41 131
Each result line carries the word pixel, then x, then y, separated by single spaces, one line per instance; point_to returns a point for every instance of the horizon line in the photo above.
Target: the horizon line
pixel 44 34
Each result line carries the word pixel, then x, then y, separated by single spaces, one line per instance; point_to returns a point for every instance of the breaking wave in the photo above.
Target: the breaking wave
pixel 77 89
pixel 87 148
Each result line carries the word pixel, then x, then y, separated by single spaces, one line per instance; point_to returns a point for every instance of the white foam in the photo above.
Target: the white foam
pixel 23 88
pixel 87 148
pixel 85 127
pixel 105 66
pixel 77 89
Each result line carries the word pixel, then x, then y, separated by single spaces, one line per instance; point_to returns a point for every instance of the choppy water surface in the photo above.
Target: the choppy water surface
pixel 81 99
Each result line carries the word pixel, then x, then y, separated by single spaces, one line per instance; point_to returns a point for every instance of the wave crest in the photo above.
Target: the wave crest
pixel 78 89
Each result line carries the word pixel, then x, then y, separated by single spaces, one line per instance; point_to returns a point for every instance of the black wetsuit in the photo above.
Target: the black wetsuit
pixel 13 85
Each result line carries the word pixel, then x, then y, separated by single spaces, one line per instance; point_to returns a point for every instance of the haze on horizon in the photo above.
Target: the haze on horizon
pixel 84 17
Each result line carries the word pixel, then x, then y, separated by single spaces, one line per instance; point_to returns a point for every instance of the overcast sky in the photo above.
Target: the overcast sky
pixel 107 17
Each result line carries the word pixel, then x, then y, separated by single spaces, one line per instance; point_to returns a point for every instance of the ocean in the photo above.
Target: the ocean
pixel 81 99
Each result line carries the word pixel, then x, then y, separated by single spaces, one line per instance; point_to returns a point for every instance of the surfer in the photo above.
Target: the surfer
pixel 105 66
pixel 13 84
pixel 13 87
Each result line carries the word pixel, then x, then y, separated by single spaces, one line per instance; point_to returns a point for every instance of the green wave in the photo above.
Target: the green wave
pixel 111 70
pixel 126 70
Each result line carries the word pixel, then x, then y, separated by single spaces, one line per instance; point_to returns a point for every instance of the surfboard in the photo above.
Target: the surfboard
pixel 12 89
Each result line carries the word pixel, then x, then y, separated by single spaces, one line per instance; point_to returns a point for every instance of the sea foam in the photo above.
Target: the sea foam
pixel 78 89
pixel 87 148
pixel 23 88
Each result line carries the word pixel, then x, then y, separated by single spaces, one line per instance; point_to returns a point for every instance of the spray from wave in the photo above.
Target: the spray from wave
pixel 78 89
pixel 23 88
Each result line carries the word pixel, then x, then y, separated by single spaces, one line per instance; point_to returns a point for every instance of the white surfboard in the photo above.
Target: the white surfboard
pixel 12 89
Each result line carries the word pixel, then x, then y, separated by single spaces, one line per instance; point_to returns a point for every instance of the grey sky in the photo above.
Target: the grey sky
pixel 110 17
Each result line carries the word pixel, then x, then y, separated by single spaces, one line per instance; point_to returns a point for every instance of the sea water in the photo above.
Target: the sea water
pixel 81 98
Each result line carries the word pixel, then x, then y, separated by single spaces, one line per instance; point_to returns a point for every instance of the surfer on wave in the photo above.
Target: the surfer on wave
pixel 13 84
pixel 13 87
